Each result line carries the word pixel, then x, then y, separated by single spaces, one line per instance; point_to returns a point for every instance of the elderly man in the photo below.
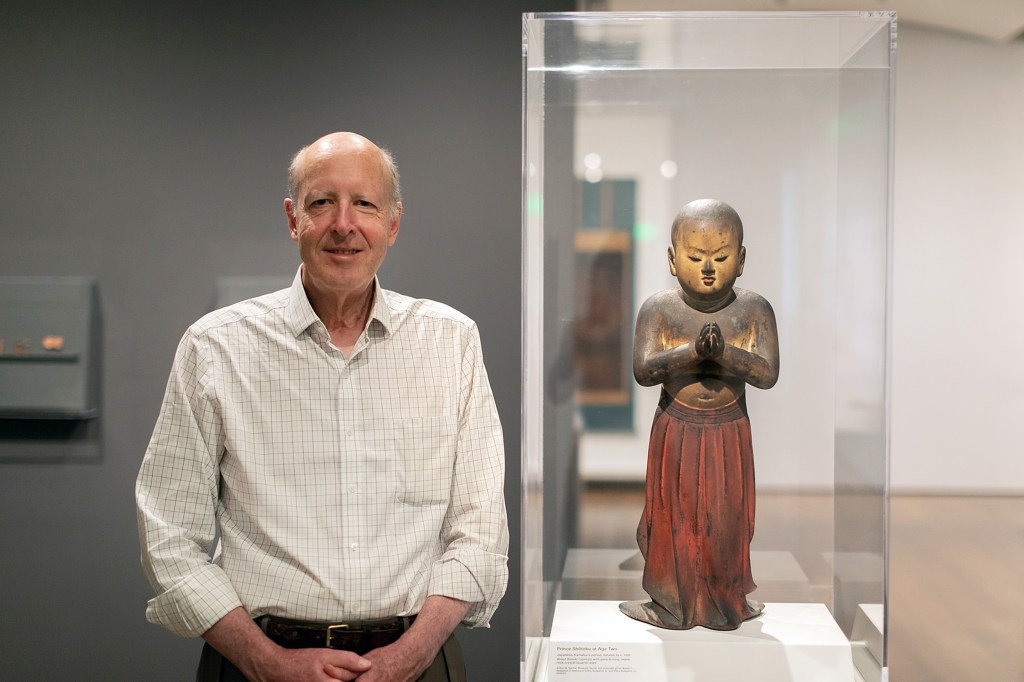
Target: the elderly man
pixel 339 445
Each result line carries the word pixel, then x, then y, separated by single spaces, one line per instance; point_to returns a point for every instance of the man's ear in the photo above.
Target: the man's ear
pixel 395 222
pixel 289 211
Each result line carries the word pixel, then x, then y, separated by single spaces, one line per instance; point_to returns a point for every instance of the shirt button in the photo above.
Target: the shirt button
pixel 348 431
pixel 354 546
pixel 352 489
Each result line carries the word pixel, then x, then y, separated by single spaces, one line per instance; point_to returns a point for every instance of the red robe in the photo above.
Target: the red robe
pixel 698 519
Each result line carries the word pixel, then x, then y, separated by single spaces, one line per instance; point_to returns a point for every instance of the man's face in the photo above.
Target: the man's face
pixel 340 218
pixel 706 257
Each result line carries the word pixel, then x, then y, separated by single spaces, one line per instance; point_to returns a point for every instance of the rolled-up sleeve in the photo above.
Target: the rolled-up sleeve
pixel 176 497
pixel 474 565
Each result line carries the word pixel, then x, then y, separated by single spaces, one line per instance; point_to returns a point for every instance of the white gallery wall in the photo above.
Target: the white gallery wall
pixel 957 379
pixel 958 290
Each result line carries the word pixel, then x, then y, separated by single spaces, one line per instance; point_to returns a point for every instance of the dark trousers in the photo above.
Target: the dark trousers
pixel 448 666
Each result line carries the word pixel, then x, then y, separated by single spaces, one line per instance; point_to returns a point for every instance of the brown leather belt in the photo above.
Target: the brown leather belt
pixel 359 637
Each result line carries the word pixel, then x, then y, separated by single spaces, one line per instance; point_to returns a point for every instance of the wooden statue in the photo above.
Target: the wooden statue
pixel 703 342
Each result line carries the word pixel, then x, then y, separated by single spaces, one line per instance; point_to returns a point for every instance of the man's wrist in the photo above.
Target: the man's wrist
pixel 243 643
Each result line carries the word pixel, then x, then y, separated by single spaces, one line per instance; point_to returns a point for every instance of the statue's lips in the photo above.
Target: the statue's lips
pixel 708 280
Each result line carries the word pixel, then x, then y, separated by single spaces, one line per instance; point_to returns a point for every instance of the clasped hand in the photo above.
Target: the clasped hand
pixel 710 343
pixel 387 664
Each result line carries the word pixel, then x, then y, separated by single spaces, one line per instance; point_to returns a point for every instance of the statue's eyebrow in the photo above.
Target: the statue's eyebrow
pixel 696 250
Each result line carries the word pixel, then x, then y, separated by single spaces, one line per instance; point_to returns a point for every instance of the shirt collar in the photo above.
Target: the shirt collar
pixel 381 312
pixel 299 314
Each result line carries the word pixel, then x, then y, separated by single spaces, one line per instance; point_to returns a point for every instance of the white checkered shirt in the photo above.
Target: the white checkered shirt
pixel 342 489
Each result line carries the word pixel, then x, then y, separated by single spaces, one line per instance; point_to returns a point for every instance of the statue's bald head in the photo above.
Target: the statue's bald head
pixel 345 143
pixel 709 210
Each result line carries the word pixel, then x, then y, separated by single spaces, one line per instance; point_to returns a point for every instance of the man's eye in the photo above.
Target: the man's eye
pixel 319 203
pixel 364 203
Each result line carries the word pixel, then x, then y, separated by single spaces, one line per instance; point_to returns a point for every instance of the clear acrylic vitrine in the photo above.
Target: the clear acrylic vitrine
pixel 786 116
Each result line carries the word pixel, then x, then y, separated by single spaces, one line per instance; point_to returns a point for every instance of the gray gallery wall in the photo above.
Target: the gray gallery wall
pixel 146 146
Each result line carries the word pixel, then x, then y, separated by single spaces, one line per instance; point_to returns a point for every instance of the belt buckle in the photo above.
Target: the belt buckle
pixel 343 627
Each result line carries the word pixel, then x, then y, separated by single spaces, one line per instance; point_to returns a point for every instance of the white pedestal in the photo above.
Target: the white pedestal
pixel 593 641
pixel 866 639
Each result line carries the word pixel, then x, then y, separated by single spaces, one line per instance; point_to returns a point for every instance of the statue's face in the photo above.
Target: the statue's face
pixel 706 257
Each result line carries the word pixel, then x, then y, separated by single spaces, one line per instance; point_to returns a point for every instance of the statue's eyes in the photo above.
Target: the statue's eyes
pixel 721 259
pixel 695 259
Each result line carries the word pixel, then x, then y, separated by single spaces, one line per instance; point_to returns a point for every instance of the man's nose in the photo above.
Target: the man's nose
pixel 343 220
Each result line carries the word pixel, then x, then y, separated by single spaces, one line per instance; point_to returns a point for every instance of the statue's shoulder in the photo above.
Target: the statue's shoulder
pixel 752 300
pixel 665 300
pixel 664 297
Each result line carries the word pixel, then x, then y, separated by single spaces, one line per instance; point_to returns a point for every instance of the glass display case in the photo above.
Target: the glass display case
pixel 787 117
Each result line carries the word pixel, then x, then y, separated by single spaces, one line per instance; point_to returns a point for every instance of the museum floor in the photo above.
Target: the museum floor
pixel 956 576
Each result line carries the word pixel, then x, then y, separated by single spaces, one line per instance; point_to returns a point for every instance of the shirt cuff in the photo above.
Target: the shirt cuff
pixel 194 605
pixel 452 578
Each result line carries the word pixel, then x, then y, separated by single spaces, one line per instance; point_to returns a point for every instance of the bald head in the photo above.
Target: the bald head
pixel 344 143
pixel 709 210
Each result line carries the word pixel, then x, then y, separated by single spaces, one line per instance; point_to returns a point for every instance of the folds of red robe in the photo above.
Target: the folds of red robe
pixel 698 519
